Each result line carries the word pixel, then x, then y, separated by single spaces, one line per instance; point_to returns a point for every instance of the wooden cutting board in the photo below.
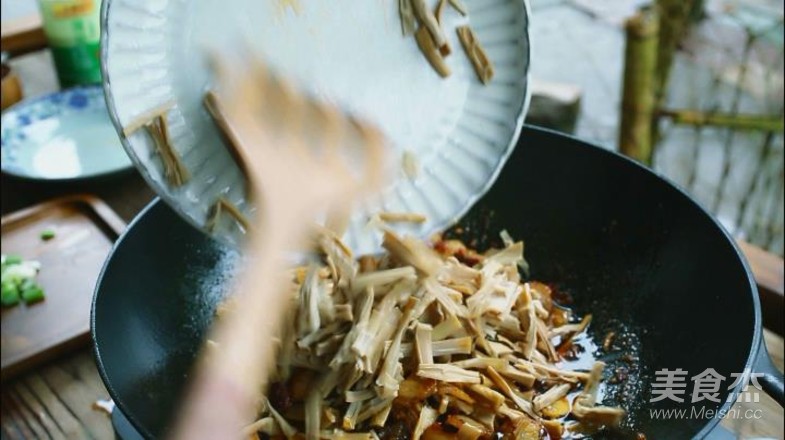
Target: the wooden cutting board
pixel 85 230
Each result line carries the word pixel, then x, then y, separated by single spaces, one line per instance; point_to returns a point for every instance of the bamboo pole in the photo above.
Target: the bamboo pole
pixel 746 122
pixel 675 18
pixel 640 65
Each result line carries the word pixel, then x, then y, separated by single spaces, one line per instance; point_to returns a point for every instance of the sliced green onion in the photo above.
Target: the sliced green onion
pixel 26 283
pixel 33 294
pixel 18 281
pixel 10 294
pixel 10 260
pixel 47 234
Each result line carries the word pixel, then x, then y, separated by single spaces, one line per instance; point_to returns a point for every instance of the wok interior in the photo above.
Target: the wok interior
pixel 631 249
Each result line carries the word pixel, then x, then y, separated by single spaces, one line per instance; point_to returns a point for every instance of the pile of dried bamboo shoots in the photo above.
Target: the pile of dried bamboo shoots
pixel 426 342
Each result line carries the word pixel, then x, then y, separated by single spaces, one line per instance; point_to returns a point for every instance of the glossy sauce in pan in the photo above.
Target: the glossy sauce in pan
pixel 608 338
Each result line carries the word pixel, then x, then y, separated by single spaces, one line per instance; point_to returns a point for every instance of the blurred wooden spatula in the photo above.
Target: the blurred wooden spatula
pixel 301 158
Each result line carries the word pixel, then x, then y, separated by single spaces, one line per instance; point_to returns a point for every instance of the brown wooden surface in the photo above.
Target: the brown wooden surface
pixel 770 423
pixel 85 229
pixel 56 402
pixel 11 88
pixel 22 35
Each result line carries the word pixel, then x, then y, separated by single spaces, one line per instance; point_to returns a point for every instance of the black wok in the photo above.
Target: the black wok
pixel 627 245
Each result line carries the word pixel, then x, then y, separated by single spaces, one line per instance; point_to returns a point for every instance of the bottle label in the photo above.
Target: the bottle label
pixel 73 30
pixel 73 8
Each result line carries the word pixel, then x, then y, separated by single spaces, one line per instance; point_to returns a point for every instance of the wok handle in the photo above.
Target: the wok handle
pixel 770 379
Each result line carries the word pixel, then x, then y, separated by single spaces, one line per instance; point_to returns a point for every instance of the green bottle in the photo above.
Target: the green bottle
pixel 74 33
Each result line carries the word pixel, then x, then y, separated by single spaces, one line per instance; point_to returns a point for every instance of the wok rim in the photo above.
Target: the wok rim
pixel 116 398
pixel 611 155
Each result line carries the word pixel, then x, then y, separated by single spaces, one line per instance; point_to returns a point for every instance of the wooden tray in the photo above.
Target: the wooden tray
pixel 85 230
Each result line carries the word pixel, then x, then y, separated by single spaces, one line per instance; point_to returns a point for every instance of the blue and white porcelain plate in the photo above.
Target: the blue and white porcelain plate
pixel 62 136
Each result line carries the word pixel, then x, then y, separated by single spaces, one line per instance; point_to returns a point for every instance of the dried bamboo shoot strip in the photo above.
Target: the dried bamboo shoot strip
pixel 429 49
pixel 479 59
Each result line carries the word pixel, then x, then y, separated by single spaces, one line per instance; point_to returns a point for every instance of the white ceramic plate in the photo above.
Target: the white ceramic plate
pixel 349 52
pixel 63 136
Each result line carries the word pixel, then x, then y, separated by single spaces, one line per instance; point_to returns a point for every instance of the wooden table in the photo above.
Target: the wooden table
pixel 55 401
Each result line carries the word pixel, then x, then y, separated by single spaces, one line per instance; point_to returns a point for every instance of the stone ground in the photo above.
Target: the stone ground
pixel 581 42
